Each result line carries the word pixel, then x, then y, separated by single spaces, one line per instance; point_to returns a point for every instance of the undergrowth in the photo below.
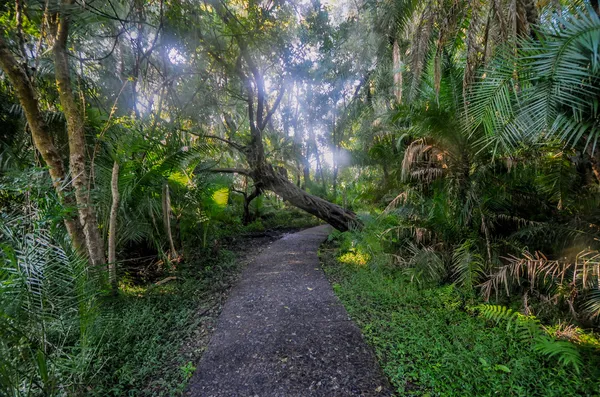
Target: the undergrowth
pixel 147 336
pixel 143 330
pixel 431 342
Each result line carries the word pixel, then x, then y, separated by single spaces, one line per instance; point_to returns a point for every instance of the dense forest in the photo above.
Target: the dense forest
pixel 453 145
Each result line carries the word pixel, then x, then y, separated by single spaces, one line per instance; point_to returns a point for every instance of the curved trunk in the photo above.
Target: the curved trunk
pixel 263 173
pixel 333 214
pixel 247 200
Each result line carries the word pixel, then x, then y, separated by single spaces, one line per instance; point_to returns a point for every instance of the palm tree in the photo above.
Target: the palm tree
pixel 547 91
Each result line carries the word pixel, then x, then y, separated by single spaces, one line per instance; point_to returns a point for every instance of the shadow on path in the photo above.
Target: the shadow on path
pixel 283 332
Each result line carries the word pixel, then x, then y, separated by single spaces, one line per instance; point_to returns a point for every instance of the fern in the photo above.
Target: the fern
pixel 529 330
pixel 565 352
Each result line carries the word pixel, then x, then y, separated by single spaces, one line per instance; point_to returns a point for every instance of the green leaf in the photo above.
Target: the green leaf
pixel 221 197
pixel 502 368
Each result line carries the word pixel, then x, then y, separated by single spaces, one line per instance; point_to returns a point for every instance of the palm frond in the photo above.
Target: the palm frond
pixel 424 264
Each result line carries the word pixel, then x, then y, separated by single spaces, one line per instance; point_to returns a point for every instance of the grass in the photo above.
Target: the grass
pixel 429 344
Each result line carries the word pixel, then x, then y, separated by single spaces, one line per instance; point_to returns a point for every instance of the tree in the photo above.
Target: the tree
pixel 260 111
pixel 43 141
pixel 59 27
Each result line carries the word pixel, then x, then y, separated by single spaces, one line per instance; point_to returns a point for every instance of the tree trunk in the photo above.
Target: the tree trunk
pixel 166 204
pixel 473 48
pixel 594 158
pixel 112 228
pixel 335 178
pixel 297 174
pixel 247 218
pixel 386 174
pixel 75 129
pixel 397 64
pixel 247 201
pixel 320 170
pixel 331 213
pixel 596 168
pixel 43 142
pixel 527 17
pixel 306 172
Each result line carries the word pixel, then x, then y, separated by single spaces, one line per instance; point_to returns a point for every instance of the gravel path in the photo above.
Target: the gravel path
pixel 283 332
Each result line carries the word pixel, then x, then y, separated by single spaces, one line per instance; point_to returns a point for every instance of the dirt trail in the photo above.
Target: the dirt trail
pixel 283 332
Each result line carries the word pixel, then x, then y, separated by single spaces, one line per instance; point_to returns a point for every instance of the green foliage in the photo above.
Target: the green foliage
pixel 424 264
pixel 48 311
pixel 557 75
pixel 564 352
pixel 143 333
pixel 495 185
pixel 288 217
pixel 468 267
pixel 146 165
pixel 428 344
pixel 491 185
pixel 529 330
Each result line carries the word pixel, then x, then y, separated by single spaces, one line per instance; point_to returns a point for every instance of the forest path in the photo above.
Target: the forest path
pixel 283 332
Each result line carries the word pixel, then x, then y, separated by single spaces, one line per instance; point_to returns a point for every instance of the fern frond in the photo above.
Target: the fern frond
pixel 565 352
pixel 529 330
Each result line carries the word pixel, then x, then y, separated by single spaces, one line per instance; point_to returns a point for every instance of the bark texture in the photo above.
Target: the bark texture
pixel 594 159
pixel 112 228
pixel 247 201
pixel 474 50
pixel 527 17
pixel 333 214
pixel 43 141
pixel 166 204
pixel 76 133
pixel 397 64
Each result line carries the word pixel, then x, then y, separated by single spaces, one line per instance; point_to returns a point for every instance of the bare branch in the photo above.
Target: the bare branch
pixel 103 57
pixel 274 108
pixel 258 79
pixel 231 171
pixel 257 191
pixel 240 192
pixel 235 145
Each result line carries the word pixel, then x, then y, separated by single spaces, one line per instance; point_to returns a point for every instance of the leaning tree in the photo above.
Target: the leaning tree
pixel 245 43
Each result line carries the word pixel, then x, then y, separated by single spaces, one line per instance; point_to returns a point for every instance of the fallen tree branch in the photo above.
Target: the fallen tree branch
pixel 165 280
